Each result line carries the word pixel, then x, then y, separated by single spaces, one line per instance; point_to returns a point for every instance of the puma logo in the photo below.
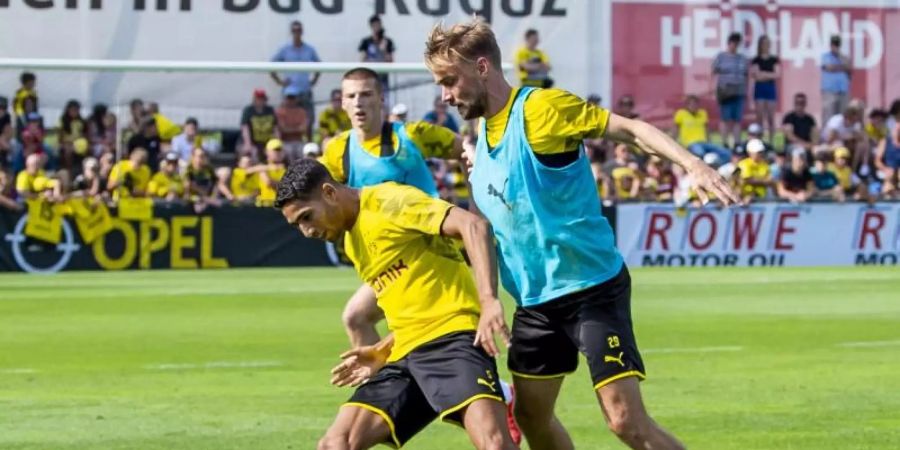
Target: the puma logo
pixel 618 359
pixel 500 194
pixel 492 385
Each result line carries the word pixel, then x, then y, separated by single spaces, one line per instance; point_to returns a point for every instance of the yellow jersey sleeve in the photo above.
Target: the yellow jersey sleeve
pixel 333 157
pixel 433 140
pixel 119 170
pixel 557 121
pixel 23 182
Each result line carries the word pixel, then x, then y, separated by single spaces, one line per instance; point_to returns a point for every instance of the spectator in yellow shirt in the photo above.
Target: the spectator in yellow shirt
pixel 756 177
pixel 533 64
pixel 32 181
pixel 692 130
pixel 627 182
pixel 333 120
pixel 167 184
pixel 27 90
pixel 271 173
pixel 876 127
pixel 166 127
pixel 244 181
pixel 129 178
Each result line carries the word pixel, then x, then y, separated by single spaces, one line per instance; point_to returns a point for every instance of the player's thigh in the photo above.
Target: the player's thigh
pixel 605 334
pixel 485 421
pixel 363 306
pixel 358 426
pixel 453 374
pixel 394 396
pixel 536 398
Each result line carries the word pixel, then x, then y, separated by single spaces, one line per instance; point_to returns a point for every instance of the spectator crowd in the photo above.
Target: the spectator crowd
pixel 851 152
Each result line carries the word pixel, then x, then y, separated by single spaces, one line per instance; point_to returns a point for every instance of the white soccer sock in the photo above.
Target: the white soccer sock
pixel 507 391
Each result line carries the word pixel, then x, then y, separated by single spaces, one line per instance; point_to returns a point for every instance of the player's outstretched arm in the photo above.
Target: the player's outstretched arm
pixel 361 363
pixel 477 237
pixel 653 141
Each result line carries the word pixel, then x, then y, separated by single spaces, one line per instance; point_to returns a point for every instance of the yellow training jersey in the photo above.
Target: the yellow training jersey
pixel 420 278
pixel 691 126
pixel 434 141
pixel 524 55
pixel 556 121
pixel 161 184
pixel 333 121
pixel 267 193
pixel 756 170
pixel 33 184
pixel 129 178
pixel 244 185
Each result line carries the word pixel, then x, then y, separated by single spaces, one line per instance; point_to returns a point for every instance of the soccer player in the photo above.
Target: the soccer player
pixel 533 182
pixel 438 361
pixel 374 151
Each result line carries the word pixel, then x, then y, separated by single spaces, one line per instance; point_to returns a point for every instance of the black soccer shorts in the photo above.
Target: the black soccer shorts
pixel 547 338
pixel 436 380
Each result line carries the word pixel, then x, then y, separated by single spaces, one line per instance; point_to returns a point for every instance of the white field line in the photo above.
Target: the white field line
pixel 869 344
pixel 216 365
pixel 18 370
pixel 732 348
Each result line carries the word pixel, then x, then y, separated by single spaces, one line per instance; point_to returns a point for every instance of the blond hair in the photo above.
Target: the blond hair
pixel 463 41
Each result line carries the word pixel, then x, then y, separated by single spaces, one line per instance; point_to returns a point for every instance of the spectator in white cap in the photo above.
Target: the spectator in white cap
pixel 754 131
pixel 312 150
pixel 398 113
pixel 756 178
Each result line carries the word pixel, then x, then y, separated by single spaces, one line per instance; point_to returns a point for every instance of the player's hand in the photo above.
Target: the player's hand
pixel 491 324
pixel 358 365
pixel 707 180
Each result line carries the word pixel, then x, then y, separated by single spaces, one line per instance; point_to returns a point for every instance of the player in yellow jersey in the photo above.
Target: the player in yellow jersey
pixel 438 361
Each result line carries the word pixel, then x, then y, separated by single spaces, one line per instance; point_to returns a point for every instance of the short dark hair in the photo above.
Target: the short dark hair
pixel 735 38
pixel 362 73
pixel 147 121
pixel 27 77
pixel 835 39
pixel 335 91
pixel 800 95
pixel 530 32
pixel 374 18
pixel 878 112
pixel 137 102
pixel 895 107
pixel 302 180
pixel 296 23
pixel 192 121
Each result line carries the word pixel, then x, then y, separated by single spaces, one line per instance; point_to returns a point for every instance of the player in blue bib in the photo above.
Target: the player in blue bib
pixel 532 181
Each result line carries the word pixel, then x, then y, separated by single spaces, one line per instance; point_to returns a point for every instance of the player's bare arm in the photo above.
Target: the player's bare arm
pixel 477 238
pixel 653 141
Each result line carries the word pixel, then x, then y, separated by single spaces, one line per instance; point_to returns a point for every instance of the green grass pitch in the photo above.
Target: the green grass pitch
pixel 239 359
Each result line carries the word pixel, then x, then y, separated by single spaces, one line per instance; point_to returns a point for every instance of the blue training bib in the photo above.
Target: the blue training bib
pixel 552 237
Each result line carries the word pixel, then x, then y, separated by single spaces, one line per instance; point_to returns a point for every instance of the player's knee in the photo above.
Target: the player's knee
pixel 628 425
pixel 495 441
pixel 531 418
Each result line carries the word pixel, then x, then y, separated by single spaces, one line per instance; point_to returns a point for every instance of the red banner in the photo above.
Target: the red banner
pixel 663 50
